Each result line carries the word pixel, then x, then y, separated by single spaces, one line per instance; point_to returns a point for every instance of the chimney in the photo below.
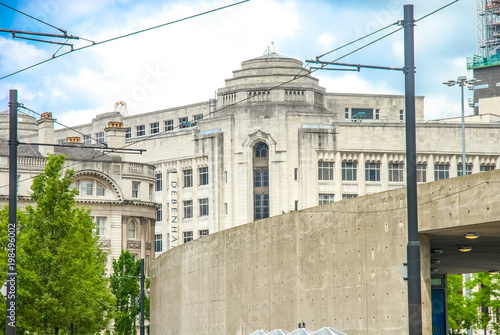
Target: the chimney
pixel 46 133
pixel 73 140
pixel 115 135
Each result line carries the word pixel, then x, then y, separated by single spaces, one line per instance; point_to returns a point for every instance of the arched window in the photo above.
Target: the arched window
pixel 261 150
pixel 132 225
pixel 261 181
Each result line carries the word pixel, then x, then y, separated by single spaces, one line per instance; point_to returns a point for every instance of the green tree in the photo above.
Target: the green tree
pixel 461 313
pixel 125 286
pixel 61 269
pixel 485 297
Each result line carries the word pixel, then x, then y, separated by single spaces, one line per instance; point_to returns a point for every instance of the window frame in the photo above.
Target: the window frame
pixel 136 186
pixel 468 168
pixel 421 172
pixel 187 175
pixel 261 209
pixel 372 171
pixel 158 243
pixel 349 171
pixel 128 132
pixel 159 182
pixel 326 170
pixel 159 213
pixel 132 230
pixel 140 130
pixel 188 236
pixel 154 127
pixel 203 206
pixel 187 208
pixel 396 169
pixel 325 198
pixel 100 225
pixel 441 170
pixel 169 125
pixel 203 176
pixel 99 137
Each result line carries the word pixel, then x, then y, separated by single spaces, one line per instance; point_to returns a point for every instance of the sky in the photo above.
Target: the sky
pixel 187 61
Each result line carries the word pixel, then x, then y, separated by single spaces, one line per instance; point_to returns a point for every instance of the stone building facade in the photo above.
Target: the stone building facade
pixel 119 193
pixel 274 141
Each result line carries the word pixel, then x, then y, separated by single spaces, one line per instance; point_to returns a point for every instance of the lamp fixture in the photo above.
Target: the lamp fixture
pixel 465 248
pixel 435 261
pixel 437 251
pixel 471 235
pixel 434 270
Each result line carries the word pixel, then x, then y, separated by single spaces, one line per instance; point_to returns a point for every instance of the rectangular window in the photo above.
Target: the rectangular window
pixel 350 171
pixel 135 189
pixel 100 226
pixel 61 141
pixel 140 130
pixel 128 132
pixel 261 177
pixel 159 182
pixel 188 177
pixel 377 114
pixel 349 196
pixel 196 118
pixel 484 168
pixel 421 173
pixel 460 169
pixel 203 232
pixel 151 188
pixel 188 236
pixel 159 213
pixel 86 187
pixel 87 139
pixel 372 171
pixel 296 205
pixel 324 198
pixel 325 170
pixel 401 115
pixel 203 204
pixel 441 171
pixel 169 125
pixel 99 137
pixel 188 209
pixel 203 175
pixel 396 172
pixel 158 243
pixel 296 174
pixel 155 127
pixel 346 115
pixel 183 122
pixel 261 206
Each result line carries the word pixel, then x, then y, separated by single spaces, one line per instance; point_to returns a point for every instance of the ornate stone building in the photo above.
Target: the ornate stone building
pixel 274 141
pixel 119 193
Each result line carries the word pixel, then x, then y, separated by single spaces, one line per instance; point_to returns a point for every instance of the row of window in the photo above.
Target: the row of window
pixel 350 171
pixel 395 170
pixel 326 198
pixel 100 227
pixel 203 208
pixel 188 235
pixel 187 177
pixel 168 125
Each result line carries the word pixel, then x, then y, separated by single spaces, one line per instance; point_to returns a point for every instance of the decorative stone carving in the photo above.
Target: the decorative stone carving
pixel 148 245
pixel 144 221
pixel 133 244
pixel 105 243
pixel 116 169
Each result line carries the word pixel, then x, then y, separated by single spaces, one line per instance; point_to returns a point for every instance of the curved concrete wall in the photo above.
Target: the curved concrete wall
pixel 335 265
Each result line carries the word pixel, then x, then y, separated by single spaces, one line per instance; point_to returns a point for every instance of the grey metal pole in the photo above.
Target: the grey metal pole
pixel 413 246
pixel 464 164
pixel 142 297
pixel 11 315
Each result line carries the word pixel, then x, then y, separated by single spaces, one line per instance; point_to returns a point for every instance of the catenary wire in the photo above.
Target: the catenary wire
pixel 123 36
pixel 34 18
pixel 246 99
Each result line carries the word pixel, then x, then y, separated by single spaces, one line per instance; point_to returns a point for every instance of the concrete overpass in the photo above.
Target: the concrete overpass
pixel 334 265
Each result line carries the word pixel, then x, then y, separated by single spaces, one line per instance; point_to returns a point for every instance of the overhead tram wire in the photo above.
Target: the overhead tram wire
pixel 34 18
pixel 123 36
pixel 277 86
pixel 297 76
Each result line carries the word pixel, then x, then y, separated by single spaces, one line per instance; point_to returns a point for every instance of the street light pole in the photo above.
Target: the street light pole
pixel 462 81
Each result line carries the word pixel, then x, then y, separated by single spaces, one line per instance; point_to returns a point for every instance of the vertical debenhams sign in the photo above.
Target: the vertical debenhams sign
pixel 173 219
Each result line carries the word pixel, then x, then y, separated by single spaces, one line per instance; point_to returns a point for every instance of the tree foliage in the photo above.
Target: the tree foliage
pixel 125 286
pixel 461 313
pixel 61 269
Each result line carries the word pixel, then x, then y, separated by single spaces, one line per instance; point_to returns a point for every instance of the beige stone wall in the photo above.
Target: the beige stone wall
pixel 334 265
